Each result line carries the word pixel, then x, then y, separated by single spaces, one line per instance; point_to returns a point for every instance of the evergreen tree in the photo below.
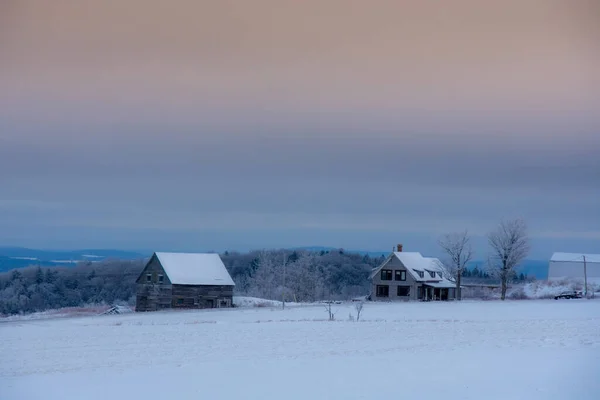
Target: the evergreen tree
pixel 39 276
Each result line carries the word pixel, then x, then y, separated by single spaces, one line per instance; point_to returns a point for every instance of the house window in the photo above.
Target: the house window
pixel 431 274
pixel 421 273
pixel 180 301
pixel 161 278
pixel 400 275
pixel 403 291
pixel 149 278
pixel 386 274
pixel 383 291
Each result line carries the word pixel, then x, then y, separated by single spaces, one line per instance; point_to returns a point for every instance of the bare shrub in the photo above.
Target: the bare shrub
pixel 330 311
pixel 518 294
pixel 358 307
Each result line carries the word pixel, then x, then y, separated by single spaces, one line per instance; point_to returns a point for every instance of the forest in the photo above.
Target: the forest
pixel 273 274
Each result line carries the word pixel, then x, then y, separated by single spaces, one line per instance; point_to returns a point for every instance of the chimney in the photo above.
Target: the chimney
pixel 399 248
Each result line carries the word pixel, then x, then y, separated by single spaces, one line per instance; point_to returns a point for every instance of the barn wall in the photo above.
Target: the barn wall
pixel 202 296
pixel 153 292
pixel 152 273
pixel 573 270
pixel 153 297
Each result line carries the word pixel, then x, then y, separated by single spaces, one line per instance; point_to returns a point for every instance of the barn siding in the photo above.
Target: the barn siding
pixel 202 296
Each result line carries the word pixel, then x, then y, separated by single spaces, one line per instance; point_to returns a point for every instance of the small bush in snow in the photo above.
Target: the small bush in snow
pixel 518 294
pixel 359 307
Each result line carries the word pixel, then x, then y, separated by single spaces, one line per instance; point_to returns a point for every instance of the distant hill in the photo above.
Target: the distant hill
pixel 20 257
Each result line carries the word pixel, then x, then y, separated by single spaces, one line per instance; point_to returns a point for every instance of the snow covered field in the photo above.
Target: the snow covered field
pixel 514 350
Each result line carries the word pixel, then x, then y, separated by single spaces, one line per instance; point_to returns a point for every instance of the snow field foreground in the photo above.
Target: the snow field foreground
pixel 468 350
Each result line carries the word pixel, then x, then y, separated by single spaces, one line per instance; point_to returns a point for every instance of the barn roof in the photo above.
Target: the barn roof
pixel 575 257
pixel 195 269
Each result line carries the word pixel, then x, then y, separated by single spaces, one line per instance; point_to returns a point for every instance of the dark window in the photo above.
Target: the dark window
pixel 431 274
pixel 161 278
pixel 149 278
pixel 386 274
pixel 400 275
pixel 421 273
pixel 403 291
pixel 179 301
pixel 383 291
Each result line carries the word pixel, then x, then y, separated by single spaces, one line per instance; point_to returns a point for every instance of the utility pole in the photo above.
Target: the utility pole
pixel 585 276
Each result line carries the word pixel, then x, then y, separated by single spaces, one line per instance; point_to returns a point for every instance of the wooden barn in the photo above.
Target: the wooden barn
pixel 184 280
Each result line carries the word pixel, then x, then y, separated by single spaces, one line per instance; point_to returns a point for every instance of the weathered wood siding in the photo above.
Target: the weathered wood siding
pixel 202 296
pixel 156 292
pixel 153 297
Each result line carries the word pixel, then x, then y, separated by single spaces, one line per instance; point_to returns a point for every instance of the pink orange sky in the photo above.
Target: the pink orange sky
pixel 318 116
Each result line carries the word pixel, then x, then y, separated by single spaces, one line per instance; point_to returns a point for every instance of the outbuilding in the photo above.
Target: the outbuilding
pixel 184 280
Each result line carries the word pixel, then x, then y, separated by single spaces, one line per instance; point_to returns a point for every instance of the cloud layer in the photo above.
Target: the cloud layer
pixel 243 124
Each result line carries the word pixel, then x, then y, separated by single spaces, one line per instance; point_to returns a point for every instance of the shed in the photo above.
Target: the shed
pixel 184 280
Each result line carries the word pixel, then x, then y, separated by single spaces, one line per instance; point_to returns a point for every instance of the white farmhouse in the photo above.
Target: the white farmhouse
pixel 571 266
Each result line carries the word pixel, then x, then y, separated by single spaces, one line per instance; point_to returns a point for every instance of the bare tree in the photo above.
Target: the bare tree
pixel 264 281
pixel 457 247
pixel 510 245
pixel 359 307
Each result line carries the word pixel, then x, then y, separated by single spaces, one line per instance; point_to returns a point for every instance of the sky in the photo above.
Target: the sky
pixel 213 125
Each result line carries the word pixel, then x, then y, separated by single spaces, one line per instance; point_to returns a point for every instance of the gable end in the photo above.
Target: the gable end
pixel 155 269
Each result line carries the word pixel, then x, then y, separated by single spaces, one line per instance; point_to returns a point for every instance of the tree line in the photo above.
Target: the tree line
pixel 286 275
pixel 271 274
pixel 478 274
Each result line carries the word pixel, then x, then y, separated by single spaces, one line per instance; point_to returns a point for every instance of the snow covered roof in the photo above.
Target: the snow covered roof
pixel 415 264
pixel 195 269
pixel 441 285
pixel 575 257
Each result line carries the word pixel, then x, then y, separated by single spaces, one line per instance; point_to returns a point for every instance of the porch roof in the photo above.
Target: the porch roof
pixel 440 285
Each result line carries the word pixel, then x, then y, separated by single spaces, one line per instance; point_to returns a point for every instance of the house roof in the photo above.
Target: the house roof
pixel 575 257
pixel 414 263
pixel 195 269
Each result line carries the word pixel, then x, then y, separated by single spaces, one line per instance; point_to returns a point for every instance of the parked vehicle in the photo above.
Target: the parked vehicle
pixel 569 295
